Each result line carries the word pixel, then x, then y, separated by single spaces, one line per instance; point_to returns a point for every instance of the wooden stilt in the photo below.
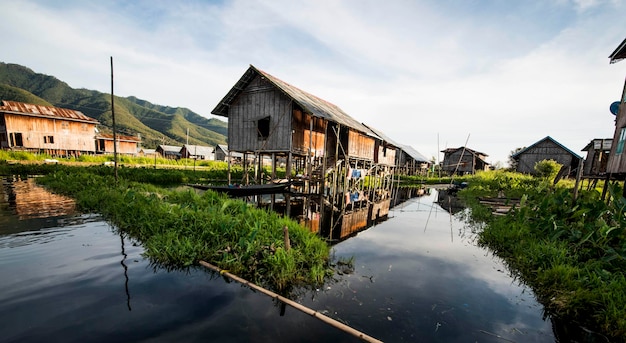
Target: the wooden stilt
pixel 229 162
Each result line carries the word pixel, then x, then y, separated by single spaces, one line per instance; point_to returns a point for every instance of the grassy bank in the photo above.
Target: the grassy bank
pixel 216 170
pixel 572 253
pixel 180 227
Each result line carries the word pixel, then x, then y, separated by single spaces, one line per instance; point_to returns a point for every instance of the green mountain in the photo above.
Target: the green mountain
pixel 156 124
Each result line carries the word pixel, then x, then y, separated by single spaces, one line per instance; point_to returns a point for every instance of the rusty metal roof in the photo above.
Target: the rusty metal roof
pixel 44 111
pixel 310 103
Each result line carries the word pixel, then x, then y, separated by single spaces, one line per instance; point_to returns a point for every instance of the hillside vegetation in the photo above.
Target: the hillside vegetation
pixel 155 123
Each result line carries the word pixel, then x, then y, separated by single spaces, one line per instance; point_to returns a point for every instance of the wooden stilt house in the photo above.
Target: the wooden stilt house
pixel 411 162
pixel 52 130
pixel 267 116
pixel 463 160
pixel 617 159
pixel 597 157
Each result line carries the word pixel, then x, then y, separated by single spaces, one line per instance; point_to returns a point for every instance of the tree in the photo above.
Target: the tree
pixel 512 161
pixel 547 169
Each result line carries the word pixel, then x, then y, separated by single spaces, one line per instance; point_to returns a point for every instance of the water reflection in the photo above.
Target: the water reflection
pixel 24 200
pixel 331 221
pixel 408 282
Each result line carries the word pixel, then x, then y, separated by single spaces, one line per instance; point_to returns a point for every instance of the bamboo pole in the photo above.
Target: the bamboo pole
pixel 293 304
pixel 114 129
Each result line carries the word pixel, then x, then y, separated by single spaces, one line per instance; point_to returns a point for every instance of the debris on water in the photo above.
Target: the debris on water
pixel 446 311
pixel 389 318
pixel 390 267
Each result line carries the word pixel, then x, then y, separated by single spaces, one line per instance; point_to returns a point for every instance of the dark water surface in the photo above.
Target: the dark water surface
pixel 417 277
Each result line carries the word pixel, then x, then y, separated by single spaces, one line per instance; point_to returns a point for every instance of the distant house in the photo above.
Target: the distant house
pixel 220 153
pixel 198 152
pixel 169 151
pixel 126 145
pixel 546 149
pixel 410 161
pixel 598 151
pixel 463 161
pixel 52 130
pixel 143 152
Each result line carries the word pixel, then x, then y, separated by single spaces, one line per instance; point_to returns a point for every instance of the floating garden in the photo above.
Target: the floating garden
pixel 180 227
pixel 571 251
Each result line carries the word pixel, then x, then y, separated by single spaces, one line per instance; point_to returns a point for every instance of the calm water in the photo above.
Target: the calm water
pixel 418 277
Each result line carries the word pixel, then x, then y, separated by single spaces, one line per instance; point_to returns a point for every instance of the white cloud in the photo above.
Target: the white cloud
pixel 506 76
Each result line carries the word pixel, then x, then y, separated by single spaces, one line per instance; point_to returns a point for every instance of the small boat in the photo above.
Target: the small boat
pixel 240 190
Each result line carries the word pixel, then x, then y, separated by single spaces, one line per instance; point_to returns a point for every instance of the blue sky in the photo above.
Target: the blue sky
pixel 433 74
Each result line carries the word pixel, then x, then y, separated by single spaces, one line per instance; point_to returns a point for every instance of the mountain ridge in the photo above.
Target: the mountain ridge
pixel 156 124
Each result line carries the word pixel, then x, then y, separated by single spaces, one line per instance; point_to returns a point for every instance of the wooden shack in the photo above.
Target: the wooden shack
pixel 197 152
pixel 546 149
pixel 463 160
pixel 52 130
pixel 143 152
pixel 598 151
pixel 410 161
pixel 169 151
pixel 617 161
pixel 267 116
pixel 126 145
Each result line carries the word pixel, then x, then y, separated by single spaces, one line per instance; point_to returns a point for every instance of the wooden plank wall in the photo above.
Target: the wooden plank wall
pixel 360 145
pixel 125 148
pixel 302 136
pixel 386 155
pixel 465 162
pixel 68 135
pixel 259 100
pixel 546 150
pixel 352 222
pixel 617 162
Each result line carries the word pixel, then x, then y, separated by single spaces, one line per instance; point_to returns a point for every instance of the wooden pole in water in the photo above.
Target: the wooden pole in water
pixel 114 130
pixel 293 304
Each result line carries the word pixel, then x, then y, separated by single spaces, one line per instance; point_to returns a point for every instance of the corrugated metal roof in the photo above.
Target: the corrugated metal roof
pixel 619 53
pixel 547 138
pixel 44 111
pixel 414 153
pixel 199 149
pixel 382 136
pixel 170 148
pixel 310 103
pixel 449 150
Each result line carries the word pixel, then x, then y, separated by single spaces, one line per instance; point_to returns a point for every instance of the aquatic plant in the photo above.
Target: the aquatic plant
pixel 572 252
pixel 181 227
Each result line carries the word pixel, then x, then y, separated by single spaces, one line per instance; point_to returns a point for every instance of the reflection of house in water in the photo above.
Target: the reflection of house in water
pixel 449 201
pixel 330 221
pixel 24 199
pixel 31 201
